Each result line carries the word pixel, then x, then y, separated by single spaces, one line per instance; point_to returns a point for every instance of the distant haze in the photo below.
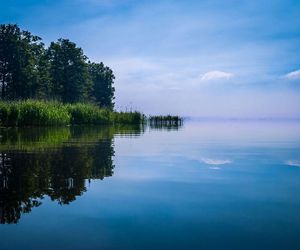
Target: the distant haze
pixel 194 58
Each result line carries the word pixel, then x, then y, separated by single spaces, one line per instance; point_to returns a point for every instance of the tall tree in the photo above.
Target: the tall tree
pixel 43 87
pixel 69 71
pixel 28 70
pixel 103 79
pixel 19 56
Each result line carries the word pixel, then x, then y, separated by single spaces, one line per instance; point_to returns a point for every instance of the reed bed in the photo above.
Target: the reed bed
pixel 53 113
pixel 32 112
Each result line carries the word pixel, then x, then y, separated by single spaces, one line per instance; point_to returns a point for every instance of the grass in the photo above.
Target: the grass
pixel 31 112
pixel 52 113
pixel 132 117
pixel 84 114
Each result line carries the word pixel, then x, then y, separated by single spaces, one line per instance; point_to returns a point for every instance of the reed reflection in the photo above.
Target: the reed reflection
pixel 169 125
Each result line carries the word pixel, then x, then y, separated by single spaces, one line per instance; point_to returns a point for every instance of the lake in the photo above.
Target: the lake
pixel 204 185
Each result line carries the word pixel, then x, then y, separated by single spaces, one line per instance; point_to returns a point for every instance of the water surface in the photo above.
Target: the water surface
pixel 206 185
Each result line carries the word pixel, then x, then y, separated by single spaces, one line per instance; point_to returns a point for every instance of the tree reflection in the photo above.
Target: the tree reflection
pixel 36 169
pixel 20 189
pixel 55 163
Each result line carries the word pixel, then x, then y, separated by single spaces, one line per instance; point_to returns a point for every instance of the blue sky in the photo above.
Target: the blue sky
pixel 201 58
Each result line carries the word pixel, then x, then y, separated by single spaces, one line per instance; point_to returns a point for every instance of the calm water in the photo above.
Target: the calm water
pixel 206 185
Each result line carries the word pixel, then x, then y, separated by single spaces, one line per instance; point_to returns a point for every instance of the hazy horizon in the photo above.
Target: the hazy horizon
pixel 192 58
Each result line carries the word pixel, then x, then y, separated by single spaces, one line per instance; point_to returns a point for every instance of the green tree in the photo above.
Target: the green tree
pixel 19 57
pixel 28 70
pixel 69 71
pixel 43 87
pixel 103 79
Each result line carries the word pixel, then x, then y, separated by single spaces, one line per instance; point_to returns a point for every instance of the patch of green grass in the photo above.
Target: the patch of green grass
pixel 84 114
pixel 52 113
pixel 132 117
pixel 33 112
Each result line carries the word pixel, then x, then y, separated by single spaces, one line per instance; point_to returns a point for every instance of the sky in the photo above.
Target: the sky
pixel 200 58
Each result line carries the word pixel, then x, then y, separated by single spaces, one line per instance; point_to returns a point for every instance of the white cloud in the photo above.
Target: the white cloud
pixel 214 75
pixel 293 163
pixel 215 161
pixel 293 75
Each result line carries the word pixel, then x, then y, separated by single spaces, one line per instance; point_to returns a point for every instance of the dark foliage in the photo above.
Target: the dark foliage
pixel 60 72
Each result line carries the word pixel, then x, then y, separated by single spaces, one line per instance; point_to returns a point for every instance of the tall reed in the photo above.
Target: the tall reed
pixel 33 112
pixel 52 113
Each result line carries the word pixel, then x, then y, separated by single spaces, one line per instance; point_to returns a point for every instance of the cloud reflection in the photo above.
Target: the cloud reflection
pixel 215 161
pixel 215 168
pixel 294 163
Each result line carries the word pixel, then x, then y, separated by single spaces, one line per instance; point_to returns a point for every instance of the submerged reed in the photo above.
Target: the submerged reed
pixel 165 120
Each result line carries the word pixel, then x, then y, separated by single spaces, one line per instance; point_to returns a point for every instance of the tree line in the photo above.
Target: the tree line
pixel 61 71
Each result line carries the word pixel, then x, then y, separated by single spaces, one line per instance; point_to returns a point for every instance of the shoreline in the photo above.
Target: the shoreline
pixel 41 113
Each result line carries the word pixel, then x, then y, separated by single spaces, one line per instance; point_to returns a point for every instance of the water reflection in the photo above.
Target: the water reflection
pixel 53 162
pixel 169 126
